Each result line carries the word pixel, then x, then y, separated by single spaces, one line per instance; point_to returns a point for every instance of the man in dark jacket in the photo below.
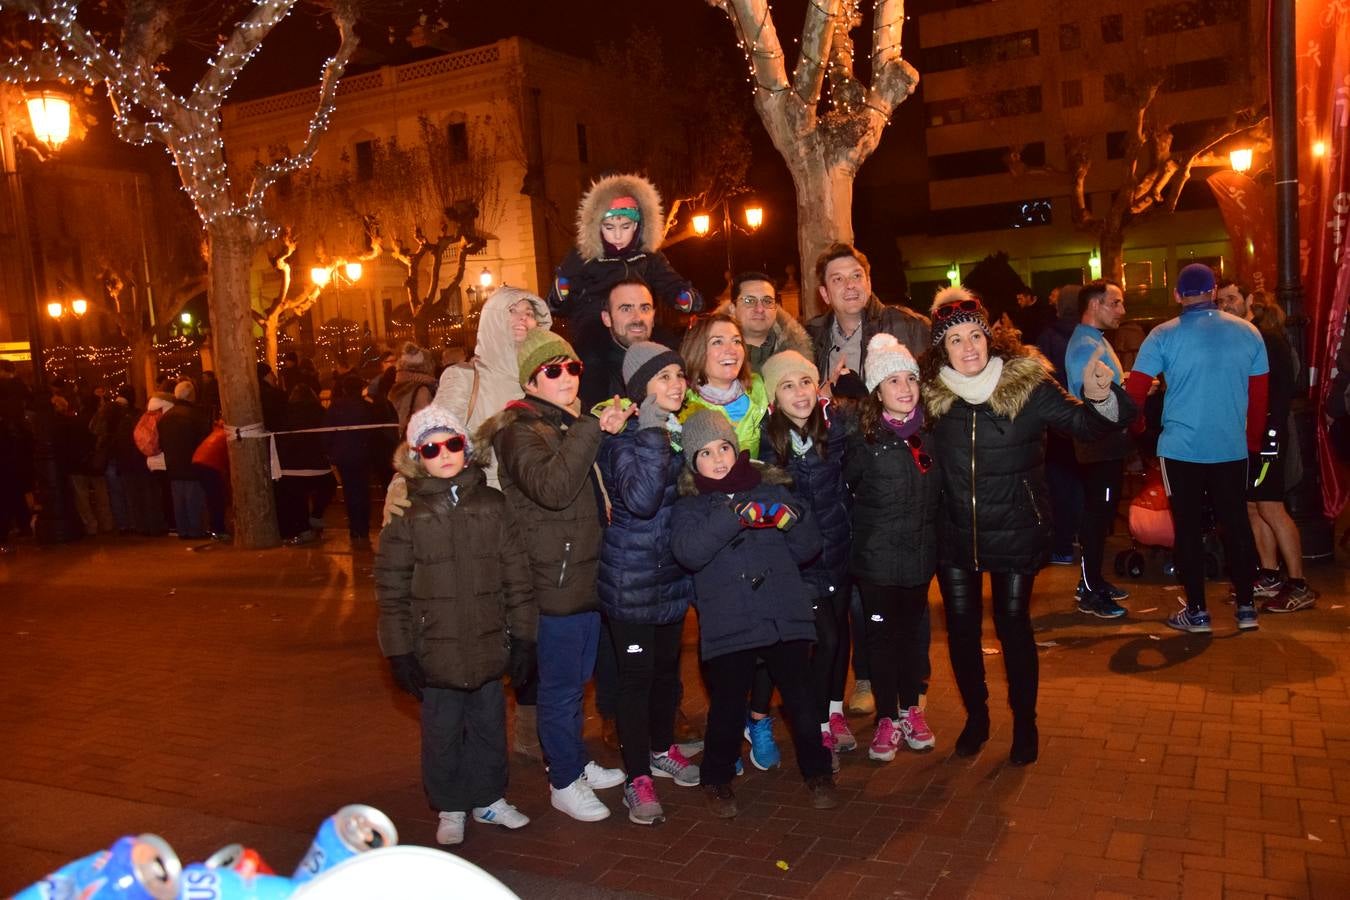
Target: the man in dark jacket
pixel 181 430
pixel 767 327
pixel 351 452
pixel 839 337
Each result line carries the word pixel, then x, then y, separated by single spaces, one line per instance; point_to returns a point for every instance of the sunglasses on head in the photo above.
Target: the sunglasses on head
pixel 921 459
pixel 947 310
pixel 432 449
pixel 555 370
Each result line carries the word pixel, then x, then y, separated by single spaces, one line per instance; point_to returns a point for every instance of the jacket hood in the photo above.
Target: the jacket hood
pixel 525 407
pixel 651 230
pixel 1022 373
pixel 495 348
pixel 410 467
pixel 788 333
pixel 767 474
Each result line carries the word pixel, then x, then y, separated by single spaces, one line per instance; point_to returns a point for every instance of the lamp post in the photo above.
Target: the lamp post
pixel 339 273
pixel 57 310
pixel 48 108
pixel 754 220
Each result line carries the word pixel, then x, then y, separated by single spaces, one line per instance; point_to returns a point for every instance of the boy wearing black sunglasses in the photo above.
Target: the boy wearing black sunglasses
pixel 450 637
pixel 546 450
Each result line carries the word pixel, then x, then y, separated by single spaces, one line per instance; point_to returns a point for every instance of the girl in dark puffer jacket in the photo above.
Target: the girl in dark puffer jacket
pixel 806 435
pixel 895 541
pixel 744 535
pixel 644 593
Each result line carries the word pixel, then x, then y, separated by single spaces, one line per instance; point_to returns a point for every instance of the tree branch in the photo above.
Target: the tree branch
pixel 817 32
pixel 759 39
pixel 223 71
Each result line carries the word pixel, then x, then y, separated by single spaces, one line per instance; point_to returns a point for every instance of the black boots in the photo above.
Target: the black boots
pixel 1026 741
pixel 974 734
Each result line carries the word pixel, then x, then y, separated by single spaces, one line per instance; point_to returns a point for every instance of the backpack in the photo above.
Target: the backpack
pixel 146 433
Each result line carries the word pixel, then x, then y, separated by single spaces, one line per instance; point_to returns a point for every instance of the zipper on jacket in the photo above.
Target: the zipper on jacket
pixel 974 517
pixel 1031 495
pixel 567 552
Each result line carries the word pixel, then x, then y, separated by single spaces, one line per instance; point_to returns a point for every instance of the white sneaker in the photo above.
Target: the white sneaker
pixel 599 778
pixel 451 828
pixel 579 801
pixel 500 813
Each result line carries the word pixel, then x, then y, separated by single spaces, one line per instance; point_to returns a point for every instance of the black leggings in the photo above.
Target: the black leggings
pixel 1101 497
pixel 648 690
pixel 829 659
pixel 963 604
pixel 896 644
pixel 1225 485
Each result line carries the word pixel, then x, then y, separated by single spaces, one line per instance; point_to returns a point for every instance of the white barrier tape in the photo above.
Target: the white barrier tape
pixel 240 432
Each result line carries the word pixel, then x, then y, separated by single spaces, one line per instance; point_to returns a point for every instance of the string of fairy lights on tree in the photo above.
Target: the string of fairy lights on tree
pixel 146 111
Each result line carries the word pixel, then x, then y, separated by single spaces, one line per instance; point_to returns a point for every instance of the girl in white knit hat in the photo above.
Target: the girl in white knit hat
pixel 894 552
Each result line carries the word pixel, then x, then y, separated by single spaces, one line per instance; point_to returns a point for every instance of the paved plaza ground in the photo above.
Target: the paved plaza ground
pixel 213 695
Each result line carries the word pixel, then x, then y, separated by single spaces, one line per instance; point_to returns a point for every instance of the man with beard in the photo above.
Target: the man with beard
pixel 630 317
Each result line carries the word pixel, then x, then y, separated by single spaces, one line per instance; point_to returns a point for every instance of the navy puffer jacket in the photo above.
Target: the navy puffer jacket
pixel 639 582
pixel 819 484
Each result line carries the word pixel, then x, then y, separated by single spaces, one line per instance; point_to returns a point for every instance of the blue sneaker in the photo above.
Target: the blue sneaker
pixel 1246 618
pixel 1101 605
pixel 1117 593
pixel 740 767
pixel 764 753
pixel 1196 622
pixel 1062 559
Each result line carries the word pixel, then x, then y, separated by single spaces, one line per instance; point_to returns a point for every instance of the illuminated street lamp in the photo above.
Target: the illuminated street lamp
pixel 954 275
pixel 338 274
pixel 321 275
pixel 56 309
pixel 185 318
pixel 1095 263
pixel 49 114
pixel 702 224
pixel 1240 159
pixel 485 278
pixel 79 306
pixel 1319 149
pixel 353 271
pixel 754 217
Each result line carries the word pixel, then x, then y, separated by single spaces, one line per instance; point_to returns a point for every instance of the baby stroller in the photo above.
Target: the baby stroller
pixel 1152 535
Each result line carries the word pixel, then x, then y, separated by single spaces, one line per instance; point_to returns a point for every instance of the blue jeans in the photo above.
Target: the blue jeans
pixel 566 661
pixel 189 507
pixel 117 498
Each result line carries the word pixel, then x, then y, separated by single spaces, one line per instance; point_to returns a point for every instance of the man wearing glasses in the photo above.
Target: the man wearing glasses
pixel 767 327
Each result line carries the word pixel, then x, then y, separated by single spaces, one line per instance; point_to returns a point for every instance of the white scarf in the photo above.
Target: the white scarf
pixel 722 396
pixel 974 389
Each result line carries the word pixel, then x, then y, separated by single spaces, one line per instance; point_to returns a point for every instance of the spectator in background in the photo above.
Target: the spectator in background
pixel 351 452
pixel 767 327
pixel 414 383
pixel 307 485
pixel 1062 475
pixel 105 426
pixel 1273 529
pixel 145 506
pixel 181 429
pixel 211 463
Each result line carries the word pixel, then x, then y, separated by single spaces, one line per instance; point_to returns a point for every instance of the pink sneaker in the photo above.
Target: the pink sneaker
pixel 843 737
pixel 884 741
pixel 827 740
pixel 914 728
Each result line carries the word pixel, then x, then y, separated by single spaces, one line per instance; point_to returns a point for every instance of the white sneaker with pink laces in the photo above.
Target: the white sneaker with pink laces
pixel 884 741
pixel 914 728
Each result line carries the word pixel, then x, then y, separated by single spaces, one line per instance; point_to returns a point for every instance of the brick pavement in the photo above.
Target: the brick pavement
pixel 222 695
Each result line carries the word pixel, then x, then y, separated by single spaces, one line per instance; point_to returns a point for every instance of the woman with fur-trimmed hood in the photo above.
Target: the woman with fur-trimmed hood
pixel 989 400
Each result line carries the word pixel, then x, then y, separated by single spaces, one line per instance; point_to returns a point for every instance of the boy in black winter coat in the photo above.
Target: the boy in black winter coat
pixel 744 535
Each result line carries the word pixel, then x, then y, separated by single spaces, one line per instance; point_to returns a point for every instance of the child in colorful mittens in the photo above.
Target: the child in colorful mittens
pixel 620 226
pixel 744 535
pixel 448 637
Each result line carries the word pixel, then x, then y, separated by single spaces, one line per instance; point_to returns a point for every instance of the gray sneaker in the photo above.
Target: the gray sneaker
pixel 673 764
pixel 640 798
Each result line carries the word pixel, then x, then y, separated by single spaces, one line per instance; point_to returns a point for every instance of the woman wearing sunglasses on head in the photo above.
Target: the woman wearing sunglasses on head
pixel 889 469
pixel 989 401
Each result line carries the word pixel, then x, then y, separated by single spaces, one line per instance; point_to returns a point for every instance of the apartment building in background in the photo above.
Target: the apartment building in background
pixel 1004 83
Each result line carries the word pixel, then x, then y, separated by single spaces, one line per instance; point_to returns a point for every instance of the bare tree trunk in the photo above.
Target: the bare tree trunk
pixel 1113 252
pixel 231 248
pixel 144 369
pixel 271 328
pixel 824 216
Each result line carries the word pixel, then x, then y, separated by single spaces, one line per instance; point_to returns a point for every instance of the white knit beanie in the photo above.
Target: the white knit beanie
pixel 885 357
pixel 430 419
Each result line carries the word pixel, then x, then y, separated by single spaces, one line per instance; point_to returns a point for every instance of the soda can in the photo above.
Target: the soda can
pixel 239 859
pixel 351 830
pixel 202 881
pixel 134 868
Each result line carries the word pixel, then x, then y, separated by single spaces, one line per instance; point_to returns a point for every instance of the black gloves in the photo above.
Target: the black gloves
pixel 521 665
pixel 408 674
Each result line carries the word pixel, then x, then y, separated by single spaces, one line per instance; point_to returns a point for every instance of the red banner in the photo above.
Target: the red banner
pixel 1323 42
pixel 1248 211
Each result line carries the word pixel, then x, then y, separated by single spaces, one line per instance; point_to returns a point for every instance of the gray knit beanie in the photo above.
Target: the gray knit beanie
pixel 641 363
pixel 704 427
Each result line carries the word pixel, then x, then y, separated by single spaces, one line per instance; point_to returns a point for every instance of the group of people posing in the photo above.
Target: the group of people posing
pixel 559 497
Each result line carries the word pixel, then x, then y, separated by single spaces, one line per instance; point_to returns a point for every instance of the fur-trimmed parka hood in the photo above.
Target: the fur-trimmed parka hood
pixel 788 333
pixel 526 406
pixel 596 201
pixel 767 474
pixel 1021 374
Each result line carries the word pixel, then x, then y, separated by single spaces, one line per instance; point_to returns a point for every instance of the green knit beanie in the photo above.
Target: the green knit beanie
pixel 538 348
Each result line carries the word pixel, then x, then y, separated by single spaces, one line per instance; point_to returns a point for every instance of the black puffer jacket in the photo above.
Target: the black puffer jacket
pixel 639 581
pixel 749 590
pixel 895 509
pixel 546 464
pixel 995 511
pixel 819 483
pixel 452 579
